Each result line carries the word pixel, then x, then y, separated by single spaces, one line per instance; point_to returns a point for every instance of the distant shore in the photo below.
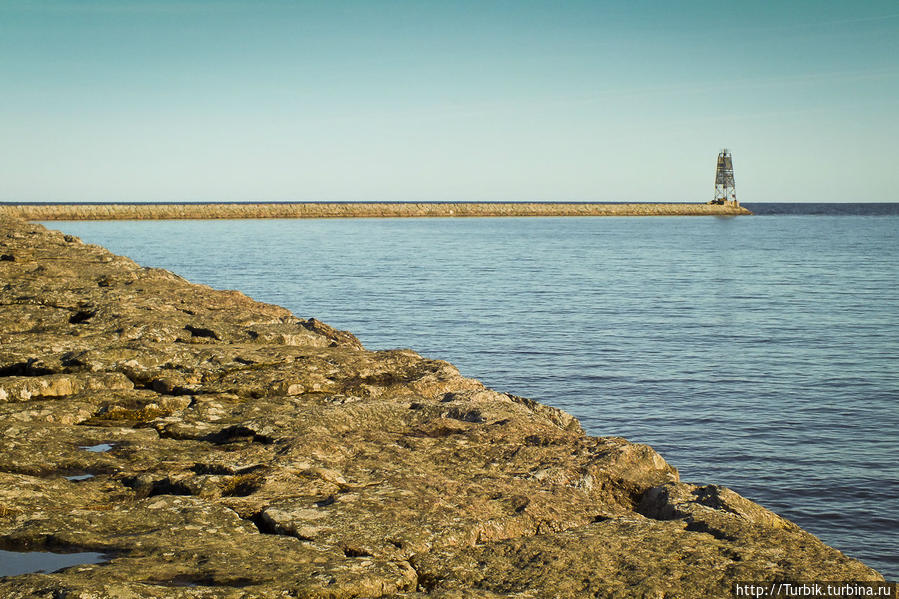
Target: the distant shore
pixel 121 211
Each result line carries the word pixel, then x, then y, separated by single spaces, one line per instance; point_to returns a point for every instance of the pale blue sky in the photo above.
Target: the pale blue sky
pixel 276 100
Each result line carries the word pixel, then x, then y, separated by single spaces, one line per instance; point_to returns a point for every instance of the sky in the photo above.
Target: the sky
pixel 483 100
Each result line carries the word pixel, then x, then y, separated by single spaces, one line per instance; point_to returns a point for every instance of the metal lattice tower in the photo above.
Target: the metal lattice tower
pixel 725 193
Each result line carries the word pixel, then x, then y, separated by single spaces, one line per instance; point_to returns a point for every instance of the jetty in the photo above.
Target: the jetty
pixel 241 210
pixel 205 445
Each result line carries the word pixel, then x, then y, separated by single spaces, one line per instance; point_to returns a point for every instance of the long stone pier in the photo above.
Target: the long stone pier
pixel 156 211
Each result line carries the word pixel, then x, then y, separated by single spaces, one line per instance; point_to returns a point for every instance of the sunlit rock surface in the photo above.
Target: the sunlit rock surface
pixel 240 451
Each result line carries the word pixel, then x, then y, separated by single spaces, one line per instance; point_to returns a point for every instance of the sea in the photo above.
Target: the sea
pixel 756 352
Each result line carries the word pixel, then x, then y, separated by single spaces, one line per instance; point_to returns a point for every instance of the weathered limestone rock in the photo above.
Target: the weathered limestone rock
pixel 236 450
pixel 23 388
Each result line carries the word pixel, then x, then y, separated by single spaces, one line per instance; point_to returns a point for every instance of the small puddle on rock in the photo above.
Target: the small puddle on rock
pixel 77 477
pixel 14 563
pixel 101 448
pixel 178 581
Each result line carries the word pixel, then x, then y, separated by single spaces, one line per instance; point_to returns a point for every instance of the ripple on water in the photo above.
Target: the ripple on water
pixel 756 353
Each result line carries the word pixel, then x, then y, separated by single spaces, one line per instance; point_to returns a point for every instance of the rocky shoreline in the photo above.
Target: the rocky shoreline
pixel 353 210
pixel 212 446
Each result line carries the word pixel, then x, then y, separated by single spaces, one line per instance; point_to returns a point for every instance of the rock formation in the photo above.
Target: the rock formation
pixel 239 451
pixel 354 210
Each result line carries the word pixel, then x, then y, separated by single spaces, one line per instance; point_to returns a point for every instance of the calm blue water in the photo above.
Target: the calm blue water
pixel 13 563
pixel 761 353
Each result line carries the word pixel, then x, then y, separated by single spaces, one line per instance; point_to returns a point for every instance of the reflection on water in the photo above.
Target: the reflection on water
pixel 101 448
pixel 13 563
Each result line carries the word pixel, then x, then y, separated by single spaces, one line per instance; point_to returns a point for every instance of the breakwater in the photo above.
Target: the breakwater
pixel 116 211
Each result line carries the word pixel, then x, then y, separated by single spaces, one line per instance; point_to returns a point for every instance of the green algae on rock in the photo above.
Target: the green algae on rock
pixel 256 454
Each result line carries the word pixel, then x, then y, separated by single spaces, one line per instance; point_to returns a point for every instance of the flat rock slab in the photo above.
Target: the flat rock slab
pixel 250 453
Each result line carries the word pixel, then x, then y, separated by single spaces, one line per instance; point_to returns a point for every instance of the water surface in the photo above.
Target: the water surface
pixel 14 563
pixel 759 352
